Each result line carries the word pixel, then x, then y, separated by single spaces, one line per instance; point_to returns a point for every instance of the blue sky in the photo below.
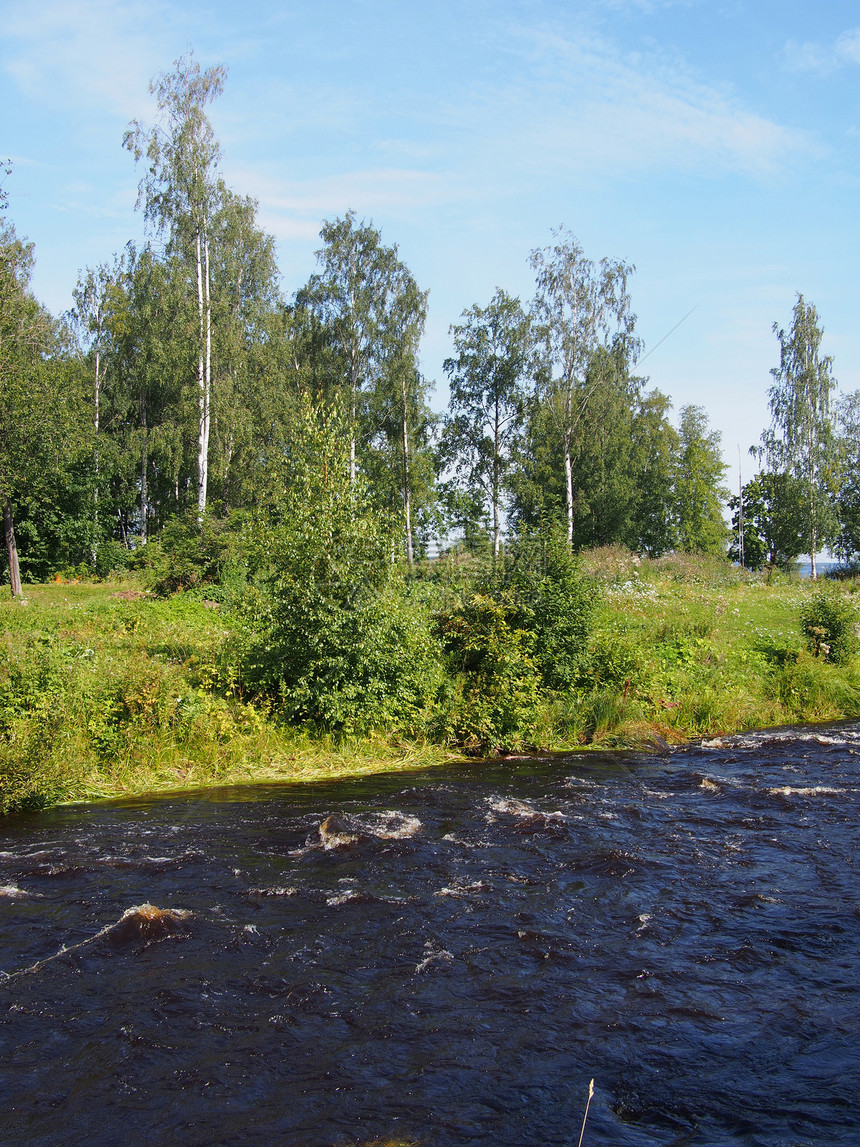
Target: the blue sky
pixel 712 143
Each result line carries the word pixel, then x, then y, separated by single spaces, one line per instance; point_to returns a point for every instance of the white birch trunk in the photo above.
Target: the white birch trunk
pixel 96 390
pixel 407 509
pixel 143 467
pixel 496 437
pixel 568 474
pixel 11 549
pixel 204 368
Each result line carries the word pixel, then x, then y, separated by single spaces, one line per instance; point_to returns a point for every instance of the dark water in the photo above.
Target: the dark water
pixel 450 959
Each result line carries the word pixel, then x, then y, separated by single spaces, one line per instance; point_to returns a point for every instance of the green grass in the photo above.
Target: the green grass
pixel 712 650
pixel 101 696
pixel 105 695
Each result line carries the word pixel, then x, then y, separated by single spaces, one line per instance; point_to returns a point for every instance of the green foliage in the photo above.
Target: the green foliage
pixel 800 440
pixel 487 400
pixel 847 543
pixel 584 327
pixel 330 632
pixel 369 313
pixel 494 701
pixel 206 558
pixel 612 661
pixel 555 603
pixel 108 691
pixel 772 521
pixel 699 494
pixel 811 689
pixel 829 623
pixel 509 645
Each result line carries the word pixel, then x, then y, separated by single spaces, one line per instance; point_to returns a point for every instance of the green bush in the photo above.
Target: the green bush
pixel 829 624
pixel 519 637
pixel 111 556
pixel 612 661
pixel 203 558
pixel 494 694
pixel 554 603
pixel 330 632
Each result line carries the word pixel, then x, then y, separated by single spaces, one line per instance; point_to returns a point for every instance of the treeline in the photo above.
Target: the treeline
pixel 175 384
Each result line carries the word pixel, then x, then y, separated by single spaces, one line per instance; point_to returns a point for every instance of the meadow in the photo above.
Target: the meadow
pixel 108 690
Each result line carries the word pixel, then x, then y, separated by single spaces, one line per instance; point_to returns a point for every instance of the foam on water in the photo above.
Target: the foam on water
pixel 447 958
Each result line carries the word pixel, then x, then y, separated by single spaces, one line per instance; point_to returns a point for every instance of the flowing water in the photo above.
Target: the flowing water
pixel 447 957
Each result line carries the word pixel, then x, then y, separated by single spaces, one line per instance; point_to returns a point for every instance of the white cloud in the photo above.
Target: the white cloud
pixel 593 110
pixel 821 57
pixel 848 46
pixel 295 209
pixel 89 53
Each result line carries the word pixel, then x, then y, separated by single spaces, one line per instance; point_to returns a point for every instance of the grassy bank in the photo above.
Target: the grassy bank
pixel 690 647
pixel 105 690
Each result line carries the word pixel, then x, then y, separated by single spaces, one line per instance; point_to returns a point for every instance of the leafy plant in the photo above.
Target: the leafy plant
pixel 190 555
pixel 829 624
pixel 494 696
pixel 330 632
pixel 554 603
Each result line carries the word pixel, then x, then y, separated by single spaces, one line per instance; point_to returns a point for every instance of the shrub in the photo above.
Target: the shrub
pixel 111 557
pixel 829 624
pixel 554 603
pixel 522 635
pixel 188 555
pixel 329 630
pixel 494 696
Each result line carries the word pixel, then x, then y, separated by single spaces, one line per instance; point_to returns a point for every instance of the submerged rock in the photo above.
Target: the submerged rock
pixel 147 922
pixel 337 832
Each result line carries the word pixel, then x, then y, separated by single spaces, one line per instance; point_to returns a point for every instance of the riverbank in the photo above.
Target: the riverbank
pixel 106 690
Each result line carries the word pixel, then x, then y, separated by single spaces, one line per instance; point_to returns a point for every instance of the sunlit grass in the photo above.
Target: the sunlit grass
pixel 718 650
pixel 105 691
pixel 101 696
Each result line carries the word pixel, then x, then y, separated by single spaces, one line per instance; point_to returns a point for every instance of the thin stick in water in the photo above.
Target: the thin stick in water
pixel 585 1117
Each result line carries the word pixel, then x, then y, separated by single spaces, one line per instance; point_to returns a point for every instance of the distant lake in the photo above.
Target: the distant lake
pixel 824 564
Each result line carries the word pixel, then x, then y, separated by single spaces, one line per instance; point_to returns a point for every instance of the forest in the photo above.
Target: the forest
pixel 174 385
pixel 188 425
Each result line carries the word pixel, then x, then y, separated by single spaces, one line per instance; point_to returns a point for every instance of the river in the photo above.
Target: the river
pixel 447 957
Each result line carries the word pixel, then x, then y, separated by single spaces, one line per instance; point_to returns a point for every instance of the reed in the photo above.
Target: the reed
pixel 585 1116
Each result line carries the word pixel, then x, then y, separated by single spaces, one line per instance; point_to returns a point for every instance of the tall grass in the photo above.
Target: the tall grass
pixel 103 696
pixel 100 696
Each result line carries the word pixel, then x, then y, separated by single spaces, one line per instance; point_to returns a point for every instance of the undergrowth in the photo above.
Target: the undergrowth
pixel 109 690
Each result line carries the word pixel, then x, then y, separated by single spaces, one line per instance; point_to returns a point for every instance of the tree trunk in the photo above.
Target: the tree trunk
pixel 496 438
pixel 568 475
pixel 11 549
pixel 96 390
pixel 204 368
pixel 406 498
pixel 353 411
pixel 143 468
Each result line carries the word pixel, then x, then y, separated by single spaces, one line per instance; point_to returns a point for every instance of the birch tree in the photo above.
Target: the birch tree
pixel 32 409
pixel 699 493
pixel 487 379
pixel 90 320
pixel 800 440
pixel 373 314
pixel 178 194
pixel 579 308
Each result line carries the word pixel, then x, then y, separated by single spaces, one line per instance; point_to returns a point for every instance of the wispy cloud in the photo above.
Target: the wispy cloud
pixel 823 57
pixel 295 209
pixel 594 109
pixel 91 53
